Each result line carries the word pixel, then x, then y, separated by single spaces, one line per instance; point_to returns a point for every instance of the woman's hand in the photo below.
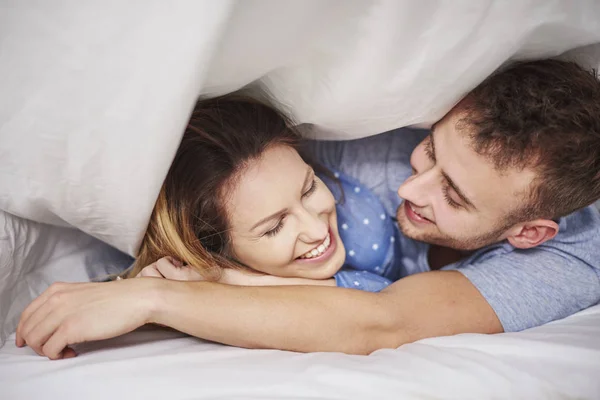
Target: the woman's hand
pixel 70 313
pixel 170 268
pixel 252 278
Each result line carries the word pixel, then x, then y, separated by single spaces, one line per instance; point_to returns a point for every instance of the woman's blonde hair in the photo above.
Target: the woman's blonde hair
pixel 189 222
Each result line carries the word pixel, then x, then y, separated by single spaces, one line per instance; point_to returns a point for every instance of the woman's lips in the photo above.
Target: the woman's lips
pixel 326 254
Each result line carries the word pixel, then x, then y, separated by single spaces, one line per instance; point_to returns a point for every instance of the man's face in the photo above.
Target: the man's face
pixel 455 198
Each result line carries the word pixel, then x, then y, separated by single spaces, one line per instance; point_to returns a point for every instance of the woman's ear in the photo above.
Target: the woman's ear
pixel 533 233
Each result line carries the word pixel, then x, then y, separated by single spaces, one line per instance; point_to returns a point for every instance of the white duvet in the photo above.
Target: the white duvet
pixel 94 96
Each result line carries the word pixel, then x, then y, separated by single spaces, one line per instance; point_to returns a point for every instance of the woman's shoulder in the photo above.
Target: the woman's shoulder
pixel 363 223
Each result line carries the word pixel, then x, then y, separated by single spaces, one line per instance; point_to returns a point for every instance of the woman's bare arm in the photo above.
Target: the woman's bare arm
pixel 297 318
pixel 313 318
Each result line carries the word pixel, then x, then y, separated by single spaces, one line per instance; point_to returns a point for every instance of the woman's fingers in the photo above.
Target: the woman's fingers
pixel 175 270
pixel 150 271
pixel 169 270
pixel 32 308
pixel 68 353
pixel 173 261
pixel 37 333
pixel 56 346
pixel 48 317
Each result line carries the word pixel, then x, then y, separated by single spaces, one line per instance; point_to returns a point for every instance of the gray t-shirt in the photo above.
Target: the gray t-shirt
pixel 525 288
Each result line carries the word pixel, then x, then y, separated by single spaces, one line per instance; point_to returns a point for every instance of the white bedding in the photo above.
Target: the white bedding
pixel 95 94
pixel 94 97
pixel 558 361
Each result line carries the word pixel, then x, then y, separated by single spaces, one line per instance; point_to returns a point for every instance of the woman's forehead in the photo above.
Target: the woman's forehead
pixel 266 185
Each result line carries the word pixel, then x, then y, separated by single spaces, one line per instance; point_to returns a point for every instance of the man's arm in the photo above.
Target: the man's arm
pixel 312 318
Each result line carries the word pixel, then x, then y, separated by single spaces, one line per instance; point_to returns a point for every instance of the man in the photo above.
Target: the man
pixel 494 214
pixel 494 190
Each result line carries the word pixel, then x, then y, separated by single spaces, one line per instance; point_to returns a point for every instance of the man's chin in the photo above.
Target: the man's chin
pixel 426 236
pixel 422 235
pixel 416 234
pixel 412 232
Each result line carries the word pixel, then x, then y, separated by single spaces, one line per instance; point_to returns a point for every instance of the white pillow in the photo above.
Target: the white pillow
pixel 34 255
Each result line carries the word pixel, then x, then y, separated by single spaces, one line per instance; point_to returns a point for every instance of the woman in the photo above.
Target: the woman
pixel 240 205
pixel 241 196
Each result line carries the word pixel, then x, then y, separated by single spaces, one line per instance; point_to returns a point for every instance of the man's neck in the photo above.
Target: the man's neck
pixel 439 256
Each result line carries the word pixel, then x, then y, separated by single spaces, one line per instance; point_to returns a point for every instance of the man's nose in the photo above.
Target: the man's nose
pixel 418 188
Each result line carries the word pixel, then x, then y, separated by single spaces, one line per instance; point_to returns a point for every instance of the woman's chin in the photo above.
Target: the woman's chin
pixel 325 270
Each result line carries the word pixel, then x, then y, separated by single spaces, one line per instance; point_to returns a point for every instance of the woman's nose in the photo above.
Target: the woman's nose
pixel 313 228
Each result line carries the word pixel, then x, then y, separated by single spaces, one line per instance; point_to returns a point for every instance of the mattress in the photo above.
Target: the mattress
pixel 556 361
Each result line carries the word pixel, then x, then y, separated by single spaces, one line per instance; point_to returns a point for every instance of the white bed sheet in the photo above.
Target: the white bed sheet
pixel 558 361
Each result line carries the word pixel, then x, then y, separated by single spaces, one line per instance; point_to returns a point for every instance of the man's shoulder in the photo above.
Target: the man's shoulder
pixel 582 222
pixel 577 242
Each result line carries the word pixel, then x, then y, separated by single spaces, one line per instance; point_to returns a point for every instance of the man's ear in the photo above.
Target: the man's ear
pixel 532 233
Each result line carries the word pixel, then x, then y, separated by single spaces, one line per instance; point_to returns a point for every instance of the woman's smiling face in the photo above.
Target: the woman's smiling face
pixel 283 218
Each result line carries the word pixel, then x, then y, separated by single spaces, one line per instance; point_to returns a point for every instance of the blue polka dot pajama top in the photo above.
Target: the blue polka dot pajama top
pixel 369 236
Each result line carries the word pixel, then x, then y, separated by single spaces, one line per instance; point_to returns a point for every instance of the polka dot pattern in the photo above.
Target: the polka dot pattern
pixel 367 234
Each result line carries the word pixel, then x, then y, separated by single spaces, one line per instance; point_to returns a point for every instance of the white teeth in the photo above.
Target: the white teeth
pixel 413 210
pixel 320 249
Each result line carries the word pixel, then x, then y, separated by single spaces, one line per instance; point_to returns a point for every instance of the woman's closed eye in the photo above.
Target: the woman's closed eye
pixel 274 231
pixel 311 189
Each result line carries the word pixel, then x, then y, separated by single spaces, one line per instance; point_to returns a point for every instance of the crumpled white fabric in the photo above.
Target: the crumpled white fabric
pixel 95 95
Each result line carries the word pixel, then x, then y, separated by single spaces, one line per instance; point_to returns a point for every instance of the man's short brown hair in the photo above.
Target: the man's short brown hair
pixel 543 115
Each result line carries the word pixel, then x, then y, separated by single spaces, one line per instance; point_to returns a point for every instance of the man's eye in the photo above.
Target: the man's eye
pixel 451 202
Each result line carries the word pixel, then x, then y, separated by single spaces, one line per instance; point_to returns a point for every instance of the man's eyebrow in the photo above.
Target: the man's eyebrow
pixel 432 143
pixel 448 179
pixel 279 213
